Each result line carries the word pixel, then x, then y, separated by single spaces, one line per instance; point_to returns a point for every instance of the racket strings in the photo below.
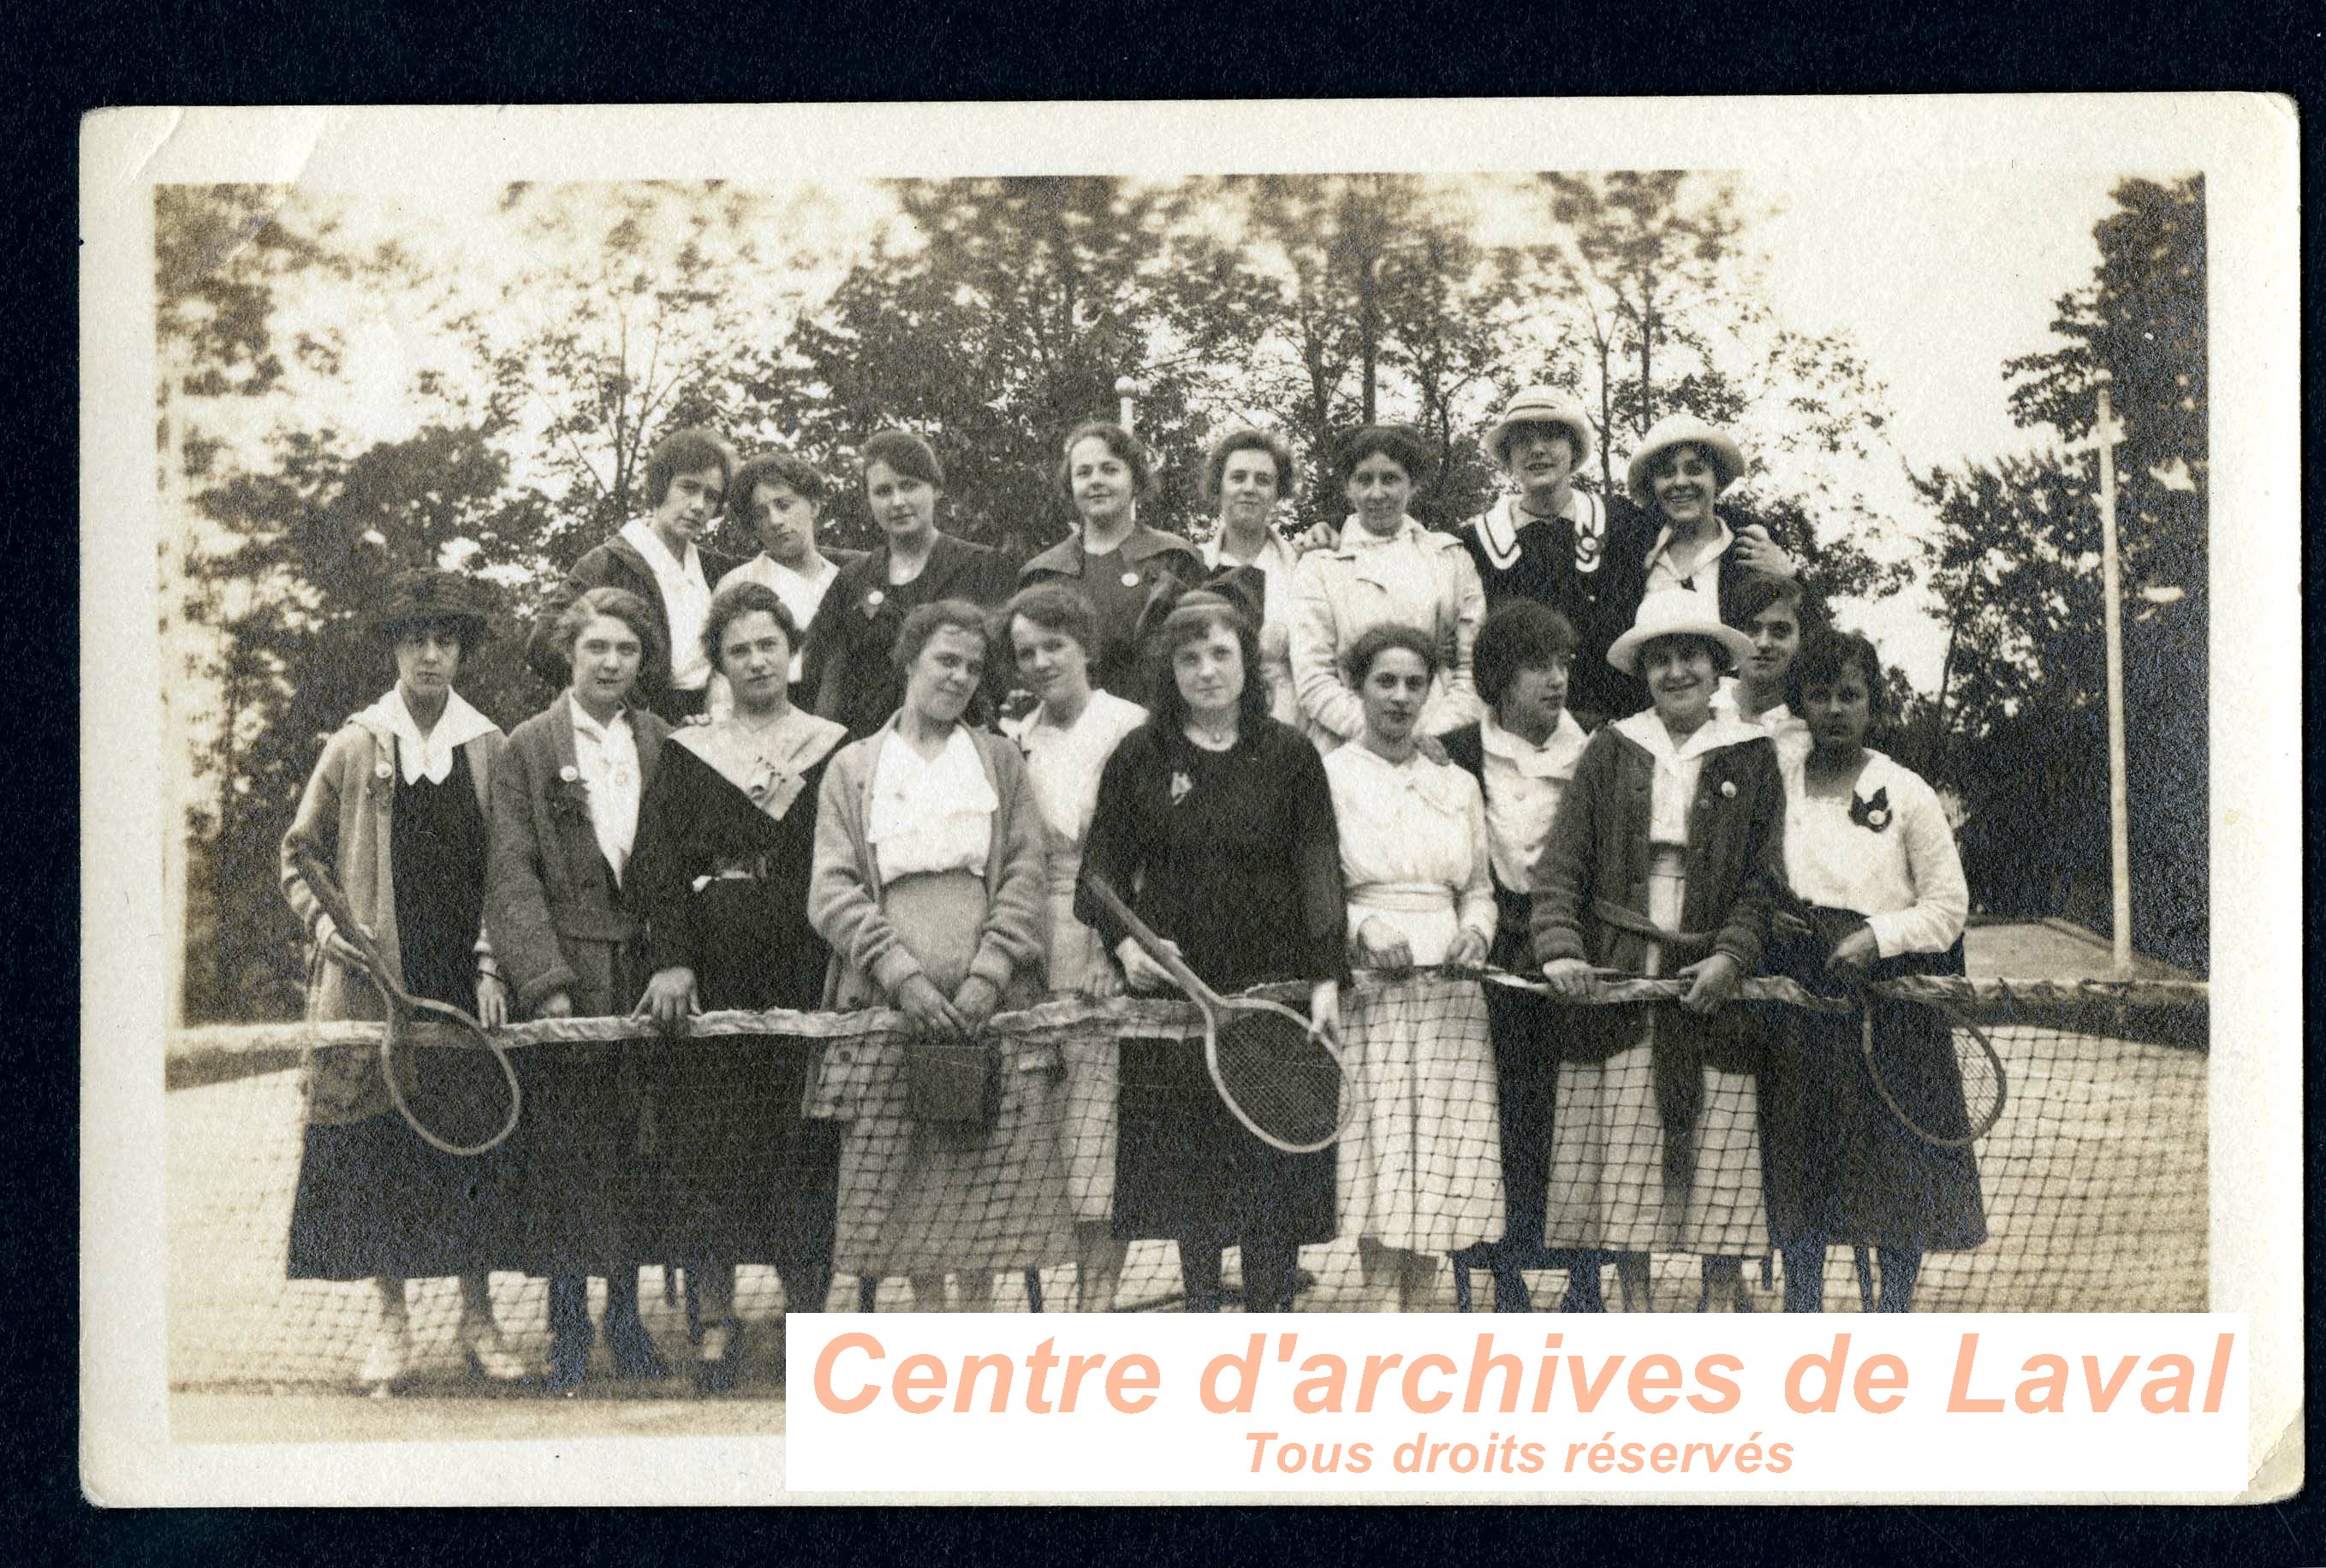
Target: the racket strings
pixel 1284 1080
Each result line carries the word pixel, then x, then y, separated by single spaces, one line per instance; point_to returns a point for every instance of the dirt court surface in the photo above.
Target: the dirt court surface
pixel 2095 1182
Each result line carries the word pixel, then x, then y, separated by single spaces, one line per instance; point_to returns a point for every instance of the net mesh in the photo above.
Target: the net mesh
pixel 1001 1168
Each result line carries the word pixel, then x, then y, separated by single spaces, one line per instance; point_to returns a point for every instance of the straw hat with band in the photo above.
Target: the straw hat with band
pixel 1538 405
pixel 1681 430
pixel 415 598
pixel 1676 612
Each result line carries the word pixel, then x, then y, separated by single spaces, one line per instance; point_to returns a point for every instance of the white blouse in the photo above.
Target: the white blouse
pixel 1524 785
pixel 1413 844
pixel 607 757
pixel 1063 767
pixel 930 816
pixel 685 599
pixel 1672 788
pixel 1789 731
pixel 1703 578
pixel 1886 850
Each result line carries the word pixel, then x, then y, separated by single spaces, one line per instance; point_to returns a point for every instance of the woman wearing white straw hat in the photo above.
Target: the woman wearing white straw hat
pixel 1665 859
pixel 1546 541
pixel 1675 474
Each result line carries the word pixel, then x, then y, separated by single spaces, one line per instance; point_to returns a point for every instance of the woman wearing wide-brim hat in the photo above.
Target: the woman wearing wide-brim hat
pixel 1677 473
pixel 1665 859
pixel 398 808
pixel 1548 541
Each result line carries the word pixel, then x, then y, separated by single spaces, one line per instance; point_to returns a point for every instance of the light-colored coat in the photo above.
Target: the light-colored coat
pixel 1338 594
pixel 545 894
pixel 843 896
pixel 343 821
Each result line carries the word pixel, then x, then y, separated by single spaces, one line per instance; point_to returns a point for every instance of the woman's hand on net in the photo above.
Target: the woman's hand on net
pixel 1712 981
pixel 1570 977
pixel 975 1002
pixel 1468 951
pixel 1143 973
pixel 1382 946
pixel 492 1001
pixel 670 1000
pixel 1325 1008
pixel 1105 982
pixel 1853 955
pixel 919 999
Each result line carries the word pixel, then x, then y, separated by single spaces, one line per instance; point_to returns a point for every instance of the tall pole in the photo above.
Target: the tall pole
pixel 2106 433
pixel 1127 388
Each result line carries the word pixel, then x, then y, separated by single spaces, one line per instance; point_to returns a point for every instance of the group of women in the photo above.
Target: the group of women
pixel 1292 760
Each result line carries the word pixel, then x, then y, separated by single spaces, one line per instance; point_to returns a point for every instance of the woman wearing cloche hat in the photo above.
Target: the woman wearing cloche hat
pixel 1665 859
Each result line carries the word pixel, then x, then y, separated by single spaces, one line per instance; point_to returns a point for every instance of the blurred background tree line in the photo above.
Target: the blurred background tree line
pixel 994 314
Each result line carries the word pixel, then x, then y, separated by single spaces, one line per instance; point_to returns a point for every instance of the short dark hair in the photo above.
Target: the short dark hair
pixel 1246 438
pixel 624 607
pixel 1379 639
pixel 732 603
pixel 776 468
pixel 1759 591
pixel 1197 613
pixel 686 451
pixel 1055 605
pixel 1400 444
pixel 1825 657
pixel 927 620
pixel 1522 634
pixel 905 452
pixel 1121 443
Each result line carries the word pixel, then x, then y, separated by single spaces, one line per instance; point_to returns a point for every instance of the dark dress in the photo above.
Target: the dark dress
pixel 749 1179
pixel 1243 872
pixel 446 1213
pixel 846 670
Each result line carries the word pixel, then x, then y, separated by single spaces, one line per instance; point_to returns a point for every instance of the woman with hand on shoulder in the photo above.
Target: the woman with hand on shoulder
pixel 846 672
pixel 929 886
pixel 1117 562
pixel 1869 851
pixel 1215 824
pixel 1066 740
pixel 1388 569
pixel 1676 476
pixel 570 925
pixel 396 809
pixel 1665 859
pixel 1421 1165
pixel 726 845
pixel 1522 754
pixel 1247 475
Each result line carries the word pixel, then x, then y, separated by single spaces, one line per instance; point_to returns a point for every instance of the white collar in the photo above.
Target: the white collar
pixel 426 756
pixel 1437 784
pixel 1273 544
pixel 1355 535
pixel 1730 700
pixel 1717 731
pixel 1721 539
pixel 1554 759
pixel 1498 525
pixel 660 559
pixel 600 733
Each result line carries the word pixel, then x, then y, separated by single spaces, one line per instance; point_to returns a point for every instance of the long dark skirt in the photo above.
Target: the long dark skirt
pixel 1840 1166
pixel 1186 1169
pixel 750 1180
pixel 452 1213
pixel 1526 1076
pixel 594 1179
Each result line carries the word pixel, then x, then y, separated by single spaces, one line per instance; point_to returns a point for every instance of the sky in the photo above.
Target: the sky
pixel 1938 279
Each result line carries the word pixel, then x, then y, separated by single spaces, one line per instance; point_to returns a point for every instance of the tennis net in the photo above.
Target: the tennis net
pixel 2093 1180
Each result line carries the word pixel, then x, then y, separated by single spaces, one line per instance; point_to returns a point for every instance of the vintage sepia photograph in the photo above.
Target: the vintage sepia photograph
pixel 1630 733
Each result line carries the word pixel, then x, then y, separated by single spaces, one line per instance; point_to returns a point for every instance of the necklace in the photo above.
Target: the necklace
pixel 1211 738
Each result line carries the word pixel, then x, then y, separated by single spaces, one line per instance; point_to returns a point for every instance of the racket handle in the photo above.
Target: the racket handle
pixel 1153 945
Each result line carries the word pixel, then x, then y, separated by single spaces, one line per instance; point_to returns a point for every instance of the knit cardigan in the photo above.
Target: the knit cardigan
pixel 1595 864
pixel 343 822
pixel 843 896
pixel 548 895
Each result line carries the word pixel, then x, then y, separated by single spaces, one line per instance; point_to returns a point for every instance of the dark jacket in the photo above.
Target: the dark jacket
pixel 570 927
pixel 1596 866
pixel 846 672
pixel 616 563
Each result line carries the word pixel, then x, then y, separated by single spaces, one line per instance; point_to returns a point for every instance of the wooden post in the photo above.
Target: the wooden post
pixel 2106 433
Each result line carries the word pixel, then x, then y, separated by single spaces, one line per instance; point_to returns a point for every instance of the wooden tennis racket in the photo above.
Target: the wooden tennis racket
pixel 1278 1076
pixel 1948 1115
pixel 463 1097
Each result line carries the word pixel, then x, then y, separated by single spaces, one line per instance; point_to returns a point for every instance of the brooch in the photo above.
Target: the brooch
pixel 1180 784
pixel 1728 789
pixel 381 770
pixel 569 773
pixel 1130 579
pixel 1873 814
pixel 873 601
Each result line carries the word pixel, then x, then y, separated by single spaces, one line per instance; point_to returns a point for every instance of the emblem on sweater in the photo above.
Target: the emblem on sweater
pixel 1180 784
